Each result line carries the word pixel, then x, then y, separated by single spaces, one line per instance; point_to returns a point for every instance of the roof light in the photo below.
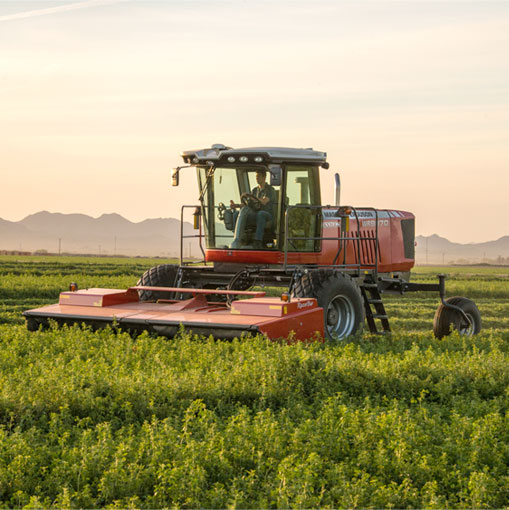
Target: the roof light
pixel 195 160
pixel 258 159
pixel 243 159
pixel 231 159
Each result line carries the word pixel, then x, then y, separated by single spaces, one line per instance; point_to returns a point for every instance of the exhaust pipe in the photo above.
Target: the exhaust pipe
pixel 337 189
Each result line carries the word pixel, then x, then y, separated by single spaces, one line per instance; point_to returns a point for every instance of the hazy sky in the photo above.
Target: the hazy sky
pixel 410 99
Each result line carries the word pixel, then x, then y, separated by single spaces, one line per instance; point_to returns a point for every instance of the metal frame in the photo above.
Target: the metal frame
pixel 343 240
pixel 182 236
pixel 287 273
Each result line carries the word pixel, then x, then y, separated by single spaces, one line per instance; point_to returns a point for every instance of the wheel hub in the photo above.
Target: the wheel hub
pixel 467 329
pixel 332 316
pixel 340 316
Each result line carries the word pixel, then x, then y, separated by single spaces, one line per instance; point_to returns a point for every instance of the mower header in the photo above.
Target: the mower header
pixel 300 319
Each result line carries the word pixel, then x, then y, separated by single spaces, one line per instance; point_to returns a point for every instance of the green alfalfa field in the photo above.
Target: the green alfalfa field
pixel 99 419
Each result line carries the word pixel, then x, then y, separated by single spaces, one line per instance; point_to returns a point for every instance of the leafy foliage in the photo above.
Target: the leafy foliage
pixel 99 419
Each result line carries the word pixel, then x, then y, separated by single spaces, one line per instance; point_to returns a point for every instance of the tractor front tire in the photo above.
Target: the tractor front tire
pixel 163 275
pixel 447 318
pixel 340 298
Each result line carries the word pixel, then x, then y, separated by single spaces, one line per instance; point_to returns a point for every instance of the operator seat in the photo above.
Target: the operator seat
pixel 301 223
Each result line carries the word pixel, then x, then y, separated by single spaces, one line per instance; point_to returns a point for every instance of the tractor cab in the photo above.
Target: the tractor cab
pixel 250 197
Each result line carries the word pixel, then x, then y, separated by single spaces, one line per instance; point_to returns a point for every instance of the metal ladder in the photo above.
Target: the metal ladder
pixel 375 309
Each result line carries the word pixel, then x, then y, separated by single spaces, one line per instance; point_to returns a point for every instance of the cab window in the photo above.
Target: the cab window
pixel 303 192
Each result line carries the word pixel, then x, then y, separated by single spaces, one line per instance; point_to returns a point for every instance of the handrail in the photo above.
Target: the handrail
pixel 190 290
pixel 182 236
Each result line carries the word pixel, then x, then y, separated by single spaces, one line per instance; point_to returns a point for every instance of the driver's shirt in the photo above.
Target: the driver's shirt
pixel 269 192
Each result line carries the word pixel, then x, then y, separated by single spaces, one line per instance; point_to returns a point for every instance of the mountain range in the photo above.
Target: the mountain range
pixel 112 234
pixel 439 250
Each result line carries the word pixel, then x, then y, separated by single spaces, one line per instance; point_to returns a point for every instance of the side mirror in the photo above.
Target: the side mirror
pixel 175 177
pixel 275 175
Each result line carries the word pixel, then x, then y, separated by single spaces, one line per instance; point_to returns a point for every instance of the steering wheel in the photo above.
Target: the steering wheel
pixel 251 201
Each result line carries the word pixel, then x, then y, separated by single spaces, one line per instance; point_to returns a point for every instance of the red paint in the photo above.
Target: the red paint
pixel 301 319
pixel 272 307
pixel 390 242
pixel 98 297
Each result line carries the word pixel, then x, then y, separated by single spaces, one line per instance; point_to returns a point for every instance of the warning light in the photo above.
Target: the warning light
pixel 285 297
pixel 73 286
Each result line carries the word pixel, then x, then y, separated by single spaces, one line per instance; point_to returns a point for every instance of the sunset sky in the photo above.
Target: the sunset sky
pixel 410 99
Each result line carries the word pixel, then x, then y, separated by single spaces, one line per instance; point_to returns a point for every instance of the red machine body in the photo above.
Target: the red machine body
pixel 395 247
pixel 261 222
pixel 301 319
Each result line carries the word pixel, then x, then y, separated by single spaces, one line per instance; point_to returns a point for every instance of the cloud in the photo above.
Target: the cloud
pixel 55 10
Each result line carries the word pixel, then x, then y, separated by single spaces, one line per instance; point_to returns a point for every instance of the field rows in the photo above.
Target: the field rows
pixel 99 419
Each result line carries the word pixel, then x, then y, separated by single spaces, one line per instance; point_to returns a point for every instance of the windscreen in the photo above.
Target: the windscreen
pixel 221 191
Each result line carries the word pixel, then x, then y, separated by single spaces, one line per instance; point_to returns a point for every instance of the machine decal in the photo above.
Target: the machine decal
pixel 372 223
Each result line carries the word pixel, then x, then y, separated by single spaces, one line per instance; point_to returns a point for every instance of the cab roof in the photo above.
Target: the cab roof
pixel 221 154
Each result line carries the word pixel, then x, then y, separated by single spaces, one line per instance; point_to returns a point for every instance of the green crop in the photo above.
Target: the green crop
pixel 100 419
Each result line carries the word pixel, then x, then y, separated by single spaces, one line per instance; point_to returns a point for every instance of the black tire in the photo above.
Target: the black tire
pixel 164 275
pixel 340 299
pixel 32 323
pixel 447 319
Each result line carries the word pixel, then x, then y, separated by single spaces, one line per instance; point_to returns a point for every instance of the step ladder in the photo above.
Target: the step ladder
pixel 375 309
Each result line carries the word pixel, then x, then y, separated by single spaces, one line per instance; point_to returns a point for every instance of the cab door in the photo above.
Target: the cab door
pixel 302 208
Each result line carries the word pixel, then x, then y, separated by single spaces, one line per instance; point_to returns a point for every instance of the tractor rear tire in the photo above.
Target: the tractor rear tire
pixel 163 275
pixel 340 298
pixel 446 317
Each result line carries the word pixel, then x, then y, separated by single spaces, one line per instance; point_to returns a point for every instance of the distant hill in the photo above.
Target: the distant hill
pixel 107 235
pixel 112 234
pixel 435 249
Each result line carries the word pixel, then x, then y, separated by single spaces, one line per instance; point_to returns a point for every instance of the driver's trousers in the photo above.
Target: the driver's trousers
pixel 248 217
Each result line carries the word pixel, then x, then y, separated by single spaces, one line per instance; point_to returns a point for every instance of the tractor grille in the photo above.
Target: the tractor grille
pixel 408 230
pixel 366 247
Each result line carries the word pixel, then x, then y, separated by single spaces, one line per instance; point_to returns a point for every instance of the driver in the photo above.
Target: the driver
pixel 267 197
